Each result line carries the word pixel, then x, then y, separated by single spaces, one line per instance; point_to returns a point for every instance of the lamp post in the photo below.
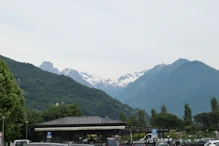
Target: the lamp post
pixel 3 129
pixel 26 128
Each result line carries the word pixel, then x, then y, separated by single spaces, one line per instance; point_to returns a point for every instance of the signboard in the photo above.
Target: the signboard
pixel 49 135
pixel 154 133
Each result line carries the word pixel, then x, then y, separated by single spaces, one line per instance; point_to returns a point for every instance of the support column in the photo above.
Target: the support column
pixel 131 136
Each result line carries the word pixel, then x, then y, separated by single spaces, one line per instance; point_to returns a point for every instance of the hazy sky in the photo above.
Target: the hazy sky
pixel 109 37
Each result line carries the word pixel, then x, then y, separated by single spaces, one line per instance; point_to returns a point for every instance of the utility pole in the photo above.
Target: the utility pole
pixel 26 129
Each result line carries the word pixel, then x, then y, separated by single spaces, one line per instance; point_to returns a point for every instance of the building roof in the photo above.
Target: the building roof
pixel 80 121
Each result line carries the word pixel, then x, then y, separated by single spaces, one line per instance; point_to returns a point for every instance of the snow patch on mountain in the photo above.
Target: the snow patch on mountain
pixel 129 78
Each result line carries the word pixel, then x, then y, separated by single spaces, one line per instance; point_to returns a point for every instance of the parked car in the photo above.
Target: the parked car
pixel 79 144
pixel 205 140
pixel 21 142
pixel 212 143
pixel 46 144
pixel 139 143
pixel 56 144
pixel 144 143
pixel 161 143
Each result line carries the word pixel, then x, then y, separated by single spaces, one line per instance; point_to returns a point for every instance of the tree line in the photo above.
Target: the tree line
pixel 202 121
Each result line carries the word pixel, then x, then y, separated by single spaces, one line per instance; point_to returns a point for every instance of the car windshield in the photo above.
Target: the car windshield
pixel 21 143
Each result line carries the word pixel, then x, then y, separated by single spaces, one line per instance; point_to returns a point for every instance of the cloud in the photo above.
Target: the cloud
pixel 108 37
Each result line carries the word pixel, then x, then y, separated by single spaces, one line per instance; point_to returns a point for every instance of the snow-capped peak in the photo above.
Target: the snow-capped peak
pixel 92 79
pixel 106 84
pixel 122 81
pixel 67 71
pixel 129 78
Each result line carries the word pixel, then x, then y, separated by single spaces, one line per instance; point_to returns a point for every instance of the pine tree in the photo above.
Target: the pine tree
pixel 11 104
pixel 163 109
pixel 187 115
pixel 214 104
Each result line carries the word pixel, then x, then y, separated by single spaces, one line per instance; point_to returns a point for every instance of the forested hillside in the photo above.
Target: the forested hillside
pixel 42 89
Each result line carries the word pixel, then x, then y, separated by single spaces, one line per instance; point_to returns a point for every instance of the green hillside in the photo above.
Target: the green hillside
pixel 42 89
pixel 181 82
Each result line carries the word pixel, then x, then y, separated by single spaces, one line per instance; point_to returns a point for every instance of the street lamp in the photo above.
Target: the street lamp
pixel 26 128
pixel 3 127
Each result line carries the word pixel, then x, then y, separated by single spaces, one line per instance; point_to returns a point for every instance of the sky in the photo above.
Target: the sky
pixel 109 38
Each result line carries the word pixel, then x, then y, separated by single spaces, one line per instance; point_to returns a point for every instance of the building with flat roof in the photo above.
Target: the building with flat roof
pixel 87 129
pixel 76 129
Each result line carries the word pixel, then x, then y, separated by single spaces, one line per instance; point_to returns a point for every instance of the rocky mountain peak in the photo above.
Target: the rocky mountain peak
pixel 48 66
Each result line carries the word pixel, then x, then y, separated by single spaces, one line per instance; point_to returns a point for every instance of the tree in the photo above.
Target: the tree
pixel 163 109
pixel 123 117
pixel 187 115
pixel 33 117
pixel 202 119
pixel 133 120
pixel 11 104
pixel 167 120
pixel 61 111
pixel 153 112
pixel 214 118
pixel 214 104
pixel 141 118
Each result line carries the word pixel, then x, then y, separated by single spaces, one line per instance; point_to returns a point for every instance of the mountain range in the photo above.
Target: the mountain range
pixel 173 85
pixel 110 86
pixel 42 89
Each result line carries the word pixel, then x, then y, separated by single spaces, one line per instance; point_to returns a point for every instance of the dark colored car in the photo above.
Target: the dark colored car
pixel 46 144
pixel 55 144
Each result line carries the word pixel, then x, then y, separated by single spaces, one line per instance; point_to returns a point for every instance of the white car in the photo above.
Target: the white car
pixel 21 142
pixel 212 143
